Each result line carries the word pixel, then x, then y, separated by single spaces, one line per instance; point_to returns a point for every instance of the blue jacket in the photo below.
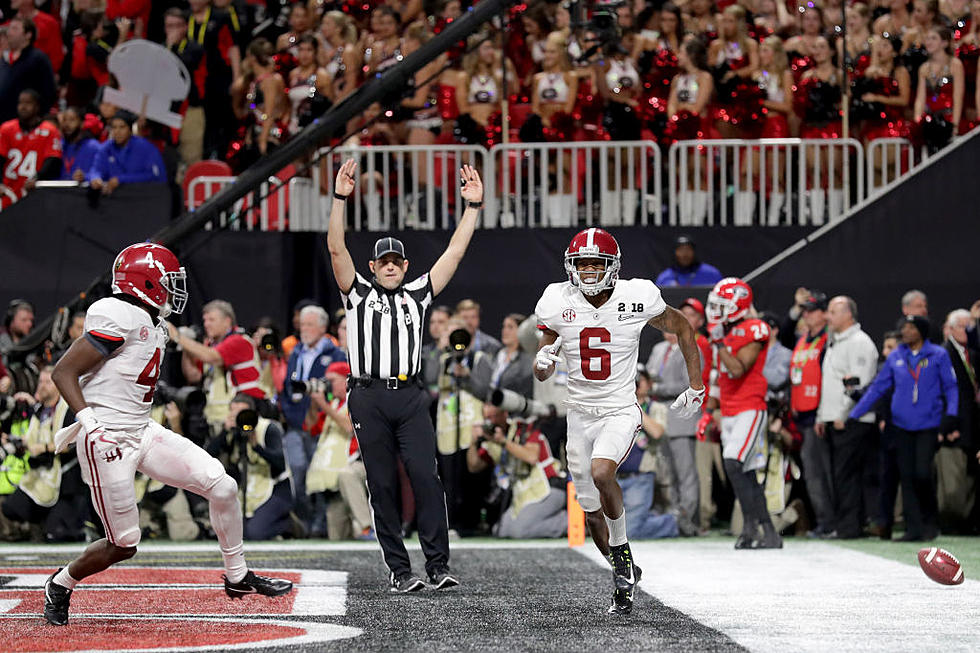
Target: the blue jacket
pixel 295 406
pixel 938 393
pixel 700 274
pixel 78 156
pixel 138 161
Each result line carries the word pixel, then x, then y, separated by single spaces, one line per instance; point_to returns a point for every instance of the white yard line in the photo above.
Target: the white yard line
pixel 808 597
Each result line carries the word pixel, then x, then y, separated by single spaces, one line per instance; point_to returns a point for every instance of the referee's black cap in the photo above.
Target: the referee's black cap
pixel 388 245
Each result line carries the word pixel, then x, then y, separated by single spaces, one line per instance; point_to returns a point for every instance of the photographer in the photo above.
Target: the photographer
pixel 531 475
pixel 308 360
pixel 227 361
pixel 268 496
pixel 49 496
pixel 459 409
pixel 330 458
pixel 272 362
pixel 848 366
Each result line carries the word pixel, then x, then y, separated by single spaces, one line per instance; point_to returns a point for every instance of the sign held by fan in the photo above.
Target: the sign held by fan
pixel 151 78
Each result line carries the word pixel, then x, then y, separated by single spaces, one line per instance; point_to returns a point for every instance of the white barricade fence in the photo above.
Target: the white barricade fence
pixel 586 183
pixel 764 182
pixel 888 160
pixel 405 186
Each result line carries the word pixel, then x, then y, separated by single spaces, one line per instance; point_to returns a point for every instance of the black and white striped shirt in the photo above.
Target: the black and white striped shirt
pixel 384 328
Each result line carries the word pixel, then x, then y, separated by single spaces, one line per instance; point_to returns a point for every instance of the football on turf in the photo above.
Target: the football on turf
pixel 941 566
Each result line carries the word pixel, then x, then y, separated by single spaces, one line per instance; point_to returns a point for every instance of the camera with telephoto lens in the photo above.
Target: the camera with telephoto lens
pixel 189 398
pixel 13 410
pixel 245 422
pixel 14 446
pixel 459 341
pixel 852 388
pixel 308 387
pixel 517 404
pixel 269 345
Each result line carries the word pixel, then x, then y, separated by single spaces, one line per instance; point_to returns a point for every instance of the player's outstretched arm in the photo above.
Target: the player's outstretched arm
pixel 673 321
pixel 80 358
pixel 740 363
pixel 445 267
pixel 340 258
pixel 547 356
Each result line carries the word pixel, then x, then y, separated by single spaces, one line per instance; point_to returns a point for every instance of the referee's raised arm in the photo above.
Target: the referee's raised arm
pixel 445 267
pixel 340 258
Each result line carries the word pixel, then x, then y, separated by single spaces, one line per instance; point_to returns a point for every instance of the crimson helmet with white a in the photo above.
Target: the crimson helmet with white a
pixel 729 301
pixel 593 244
pixel 152 274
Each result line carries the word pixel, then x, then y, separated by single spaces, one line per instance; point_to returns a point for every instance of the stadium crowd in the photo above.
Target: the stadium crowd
pixel 849 424
pixel 635 69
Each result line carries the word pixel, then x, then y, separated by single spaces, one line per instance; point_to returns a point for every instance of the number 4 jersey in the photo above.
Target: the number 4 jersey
pixel 120 389
pixel 600 345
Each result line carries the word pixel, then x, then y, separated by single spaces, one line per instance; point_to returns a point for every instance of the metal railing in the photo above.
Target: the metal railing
pixel 767 181
pixel 607 183
pixel 888 159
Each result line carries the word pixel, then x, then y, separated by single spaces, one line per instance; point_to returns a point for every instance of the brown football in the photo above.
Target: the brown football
pixel 941 566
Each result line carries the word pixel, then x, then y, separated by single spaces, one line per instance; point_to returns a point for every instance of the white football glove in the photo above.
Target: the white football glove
pixel 547 356
pixel 94 430
pixel 688 403
pixel 717 333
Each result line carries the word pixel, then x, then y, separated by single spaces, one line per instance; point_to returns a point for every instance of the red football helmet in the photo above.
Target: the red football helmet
pixel 729 301
pixel 152 274
pixel 593 244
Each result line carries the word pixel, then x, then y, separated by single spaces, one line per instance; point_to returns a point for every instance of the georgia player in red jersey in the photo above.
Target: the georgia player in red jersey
pixel 30 147
pixel 108 377
pixel 599 318
pixel 742 343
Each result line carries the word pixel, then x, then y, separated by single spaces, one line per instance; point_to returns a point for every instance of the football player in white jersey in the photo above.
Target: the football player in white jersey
pixel 594 321
pixel 108 377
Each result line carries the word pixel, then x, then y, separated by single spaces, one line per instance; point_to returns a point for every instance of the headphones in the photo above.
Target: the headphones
pixel 12 308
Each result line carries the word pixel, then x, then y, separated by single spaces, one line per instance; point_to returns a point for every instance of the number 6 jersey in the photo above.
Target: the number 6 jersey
pixel 120 389
pixel 600 345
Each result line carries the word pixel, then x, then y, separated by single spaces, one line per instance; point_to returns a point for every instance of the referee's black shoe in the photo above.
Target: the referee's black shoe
pixel 406 583
pixel 255 584
pixel 441 579
pixel 56 600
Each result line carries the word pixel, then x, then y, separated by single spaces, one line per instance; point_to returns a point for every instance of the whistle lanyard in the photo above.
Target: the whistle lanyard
pixel 199 37
pixel 915 376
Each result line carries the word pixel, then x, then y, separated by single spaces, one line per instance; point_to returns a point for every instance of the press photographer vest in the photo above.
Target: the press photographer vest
pixel 470 412
pixel 330 457
pixel 805 374
pixel 528 483
pixel 259 484
pixel 43 484
pixel 220 387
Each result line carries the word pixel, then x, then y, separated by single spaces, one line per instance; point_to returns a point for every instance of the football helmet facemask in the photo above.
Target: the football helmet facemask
pixel 152 274
pixel 729 301
pixel 593 244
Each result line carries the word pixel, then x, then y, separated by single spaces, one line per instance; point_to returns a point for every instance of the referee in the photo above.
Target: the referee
pixel 388 403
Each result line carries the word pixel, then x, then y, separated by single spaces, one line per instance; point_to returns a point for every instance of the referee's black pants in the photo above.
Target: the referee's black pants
pixel 389 424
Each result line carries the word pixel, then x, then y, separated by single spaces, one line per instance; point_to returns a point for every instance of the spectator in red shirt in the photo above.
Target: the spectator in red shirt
pixel 137 11
pixel 91 44
pixel 228 351
pixel 30 148
pixel 48 38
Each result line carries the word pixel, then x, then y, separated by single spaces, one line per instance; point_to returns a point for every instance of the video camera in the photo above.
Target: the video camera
pixel 604 23
pixel 517 404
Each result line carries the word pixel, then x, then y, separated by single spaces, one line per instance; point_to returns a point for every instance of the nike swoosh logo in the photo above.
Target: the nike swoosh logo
pixel 102 438
pixel 623 318
pixel 250 590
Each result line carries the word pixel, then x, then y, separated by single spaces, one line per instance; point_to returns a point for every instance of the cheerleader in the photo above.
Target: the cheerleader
pixel 703 20
pixel 800 47
pixel 259 103
pixel 339 54
pixel 619 87
pixel 553 95
pixel 480 93
pixel 895 23
pixel 657 62
pixel 924 16
pixel 300 24
pixel 309 85
pixel 958 13
pixel 856 48
pixel 690 91
pixel 939 98
pixel 734 57
pixel 819 97
pixel 885 92
pixel 775 78
pixel 968 51
pixel 423 122
pixel 384 50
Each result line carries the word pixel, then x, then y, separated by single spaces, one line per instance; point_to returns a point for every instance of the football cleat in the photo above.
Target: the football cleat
pixel 406 583
pixel 56 600
pixel 625 577
pixel 255 584
pixel 442 579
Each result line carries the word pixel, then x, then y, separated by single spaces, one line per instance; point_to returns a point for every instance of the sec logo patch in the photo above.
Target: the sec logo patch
pixel 568 315
pixel 144 333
